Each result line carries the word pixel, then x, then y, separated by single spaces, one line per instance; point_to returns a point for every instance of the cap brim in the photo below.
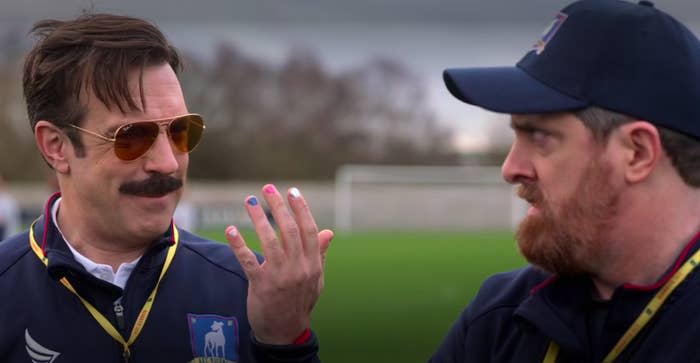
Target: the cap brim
pixel 506 90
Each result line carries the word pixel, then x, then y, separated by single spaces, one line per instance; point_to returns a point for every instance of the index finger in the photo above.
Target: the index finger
pixel 244 254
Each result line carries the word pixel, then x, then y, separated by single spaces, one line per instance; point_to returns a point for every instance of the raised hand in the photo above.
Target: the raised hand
pixel 285 287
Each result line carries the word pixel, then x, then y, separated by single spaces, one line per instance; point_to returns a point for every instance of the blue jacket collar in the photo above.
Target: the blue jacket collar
pixel 61 262
pixel 558 307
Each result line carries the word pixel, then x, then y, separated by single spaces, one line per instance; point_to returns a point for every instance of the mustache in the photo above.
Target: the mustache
pixel 530 193
pixel 156 185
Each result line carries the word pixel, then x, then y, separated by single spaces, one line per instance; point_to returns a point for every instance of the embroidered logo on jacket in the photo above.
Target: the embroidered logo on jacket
pixel 38 353
pixel 214 338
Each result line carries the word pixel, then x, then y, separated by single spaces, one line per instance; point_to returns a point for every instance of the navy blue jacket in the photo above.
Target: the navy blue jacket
pixel 199 309
pixel 515 315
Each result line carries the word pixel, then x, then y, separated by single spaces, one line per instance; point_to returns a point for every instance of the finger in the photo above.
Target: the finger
pixel 245 255
pixel 291 238
pixel 305 221
pixel 268 238
pixel 324 238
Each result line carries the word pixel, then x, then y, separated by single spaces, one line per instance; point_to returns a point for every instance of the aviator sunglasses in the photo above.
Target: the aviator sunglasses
pixel 134 139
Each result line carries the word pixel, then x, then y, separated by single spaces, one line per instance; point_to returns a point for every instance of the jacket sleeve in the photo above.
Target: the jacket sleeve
pixel 452 348
pixel 301 353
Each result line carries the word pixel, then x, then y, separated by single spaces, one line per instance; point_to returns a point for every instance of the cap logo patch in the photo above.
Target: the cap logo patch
pixel 549 32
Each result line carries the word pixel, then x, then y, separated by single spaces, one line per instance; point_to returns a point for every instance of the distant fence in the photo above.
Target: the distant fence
pixel 215 204
pixel 360 199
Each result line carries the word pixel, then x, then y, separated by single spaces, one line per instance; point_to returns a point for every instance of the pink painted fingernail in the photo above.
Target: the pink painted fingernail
pixel 270 189
pixel 294 192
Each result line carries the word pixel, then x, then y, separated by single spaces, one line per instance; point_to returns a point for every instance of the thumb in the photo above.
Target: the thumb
pixel 324 240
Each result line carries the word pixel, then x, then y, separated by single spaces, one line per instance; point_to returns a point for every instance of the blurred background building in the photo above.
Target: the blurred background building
pixel 292 91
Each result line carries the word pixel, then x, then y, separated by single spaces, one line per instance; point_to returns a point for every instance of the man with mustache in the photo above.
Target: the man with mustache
pixel 606 113
pixel 104 275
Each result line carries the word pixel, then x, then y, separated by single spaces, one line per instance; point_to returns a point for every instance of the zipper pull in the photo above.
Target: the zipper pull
pixel 119 312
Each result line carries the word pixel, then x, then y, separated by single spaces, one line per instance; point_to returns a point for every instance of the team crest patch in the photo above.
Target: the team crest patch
pixel 214 338
pixel 549 32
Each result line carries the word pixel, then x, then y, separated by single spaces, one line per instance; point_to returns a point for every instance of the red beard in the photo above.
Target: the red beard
pixel 568 238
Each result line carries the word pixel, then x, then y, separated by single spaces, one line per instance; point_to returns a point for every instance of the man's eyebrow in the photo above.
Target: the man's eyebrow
pixel 524 125
pixel 530 126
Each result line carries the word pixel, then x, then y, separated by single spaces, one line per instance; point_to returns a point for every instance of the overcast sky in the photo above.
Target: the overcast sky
pixel 425 35
pixel 318 10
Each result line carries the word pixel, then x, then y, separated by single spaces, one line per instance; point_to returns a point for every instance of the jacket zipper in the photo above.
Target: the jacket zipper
pixel 119 312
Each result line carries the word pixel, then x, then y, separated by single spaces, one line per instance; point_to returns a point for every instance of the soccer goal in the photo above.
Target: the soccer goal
pixel 424 197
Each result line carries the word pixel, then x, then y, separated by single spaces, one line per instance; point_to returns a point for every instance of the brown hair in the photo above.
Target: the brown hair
pixel 93 54
pixel 683 150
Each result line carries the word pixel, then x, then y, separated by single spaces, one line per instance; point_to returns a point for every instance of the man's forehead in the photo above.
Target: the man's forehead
pixel 139 82
pixel 155 91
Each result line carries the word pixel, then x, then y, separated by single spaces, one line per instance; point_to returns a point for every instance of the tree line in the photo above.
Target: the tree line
pixel 294 120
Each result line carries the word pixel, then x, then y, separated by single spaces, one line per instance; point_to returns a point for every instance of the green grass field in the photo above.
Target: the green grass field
pixel 392 296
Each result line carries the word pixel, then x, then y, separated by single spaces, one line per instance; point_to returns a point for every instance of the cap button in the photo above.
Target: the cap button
pixel 646 3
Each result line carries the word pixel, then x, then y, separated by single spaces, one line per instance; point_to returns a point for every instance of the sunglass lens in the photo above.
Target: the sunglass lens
pixel 186 132
pixel 133 140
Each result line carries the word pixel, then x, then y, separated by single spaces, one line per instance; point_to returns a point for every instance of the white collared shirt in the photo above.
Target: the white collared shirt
pixel 101 271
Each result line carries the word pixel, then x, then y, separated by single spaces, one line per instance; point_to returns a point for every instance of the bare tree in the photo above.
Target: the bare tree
pixel 20 160
pixel 294 120
pixel 300 121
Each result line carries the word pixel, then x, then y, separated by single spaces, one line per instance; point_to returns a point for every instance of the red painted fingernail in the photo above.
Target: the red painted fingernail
pixel 270 189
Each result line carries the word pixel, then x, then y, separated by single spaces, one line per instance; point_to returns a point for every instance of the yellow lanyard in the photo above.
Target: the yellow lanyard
pixel 104 323
pixel 643 318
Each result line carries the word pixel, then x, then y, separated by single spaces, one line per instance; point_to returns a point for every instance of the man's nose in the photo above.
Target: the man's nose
pixel 161 157
pixel 517 166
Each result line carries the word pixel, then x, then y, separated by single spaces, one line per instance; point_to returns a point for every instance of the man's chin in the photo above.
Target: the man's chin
pixel 544 248
pixel 553 259
pixel 152 228
pixel 151 217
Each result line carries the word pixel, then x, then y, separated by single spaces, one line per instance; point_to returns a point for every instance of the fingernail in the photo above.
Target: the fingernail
pixel 252 200
pixel 294 192
pixel 270 189
pixel 232 231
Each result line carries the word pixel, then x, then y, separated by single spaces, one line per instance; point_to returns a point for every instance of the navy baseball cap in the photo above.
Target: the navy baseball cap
pixel 625 57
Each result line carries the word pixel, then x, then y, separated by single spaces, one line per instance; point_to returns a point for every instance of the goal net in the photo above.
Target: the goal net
pixel 424 198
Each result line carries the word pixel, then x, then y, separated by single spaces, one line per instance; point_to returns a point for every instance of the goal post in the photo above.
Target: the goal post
pixel 424 197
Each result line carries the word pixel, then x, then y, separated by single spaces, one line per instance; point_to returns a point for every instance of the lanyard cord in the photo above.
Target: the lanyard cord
pixel 649 311
pixel 101 319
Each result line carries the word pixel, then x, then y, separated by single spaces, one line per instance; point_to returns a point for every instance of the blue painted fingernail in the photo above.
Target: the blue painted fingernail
pixel 252 201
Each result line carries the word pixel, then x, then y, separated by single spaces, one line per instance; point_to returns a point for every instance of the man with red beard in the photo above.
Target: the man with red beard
pixel 606 114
